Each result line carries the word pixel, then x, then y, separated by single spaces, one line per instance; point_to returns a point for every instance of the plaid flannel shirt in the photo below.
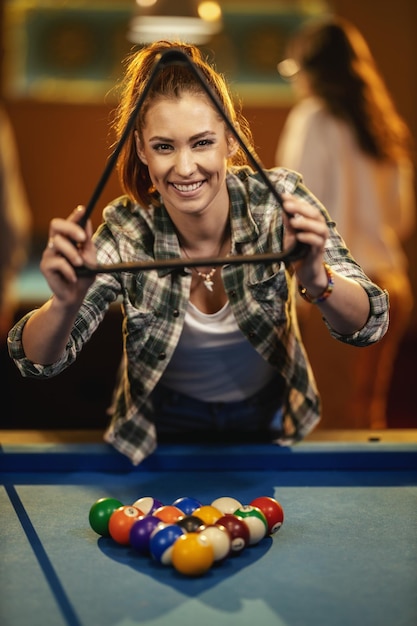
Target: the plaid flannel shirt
pixel 262 298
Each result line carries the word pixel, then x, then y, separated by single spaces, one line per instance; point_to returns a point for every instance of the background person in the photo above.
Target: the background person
pixel 15 224
pixel 346 138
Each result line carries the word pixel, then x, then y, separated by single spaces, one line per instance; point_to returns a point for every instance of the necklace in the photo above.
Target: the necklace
pixel 207 278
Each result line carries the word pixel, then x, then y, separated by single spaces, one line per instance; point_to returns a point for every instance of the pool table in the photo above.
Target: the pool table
pixel 345 555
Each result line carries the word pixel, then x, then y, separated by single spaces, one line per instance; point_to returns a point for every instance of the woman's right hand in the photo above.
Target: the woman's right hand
pixel 69 246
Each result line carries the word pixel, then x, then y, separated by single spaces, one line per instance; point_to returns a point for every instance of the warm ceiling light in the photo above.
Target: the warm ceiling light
pixel 185 20
pixel 209 11
pixel 146 3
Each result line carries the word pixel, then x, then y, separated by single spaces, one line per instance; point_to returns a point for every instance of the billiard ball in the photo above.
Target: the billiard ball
pixel 162 541
pixel 147 504
pixel 238 530
pixel 187 504
pixel 272 510
pixel 256 521
pixel 190 523
pixel 121 521
pixel 141 531
pixel 221 540
pixel 100 513
pixel 168 513
pixel 192 554
pixel 226 504
pixel 208 513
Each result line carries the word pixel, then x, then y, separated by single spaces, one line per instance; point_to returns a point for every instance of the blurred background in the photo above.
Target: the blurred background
pixel 61 61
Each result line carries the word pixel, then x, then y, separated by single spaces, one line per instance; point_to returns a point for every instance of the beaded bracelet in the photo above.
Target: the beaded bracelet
pixel 325 294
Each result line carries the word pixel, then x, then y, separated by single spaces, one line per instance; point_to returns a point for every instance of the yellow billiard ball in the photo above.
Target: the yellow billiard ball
pixel 192 554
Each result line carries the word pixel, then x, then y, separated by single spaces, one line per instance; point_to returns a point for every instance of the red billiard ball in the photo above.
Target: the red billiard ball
pixel 238 530
pixel 220 538
pixel 272 510
pixel 256 521
pixel 121 521
pixel 100 513
pixel 192 554
pixel 141 531
pixel 162 542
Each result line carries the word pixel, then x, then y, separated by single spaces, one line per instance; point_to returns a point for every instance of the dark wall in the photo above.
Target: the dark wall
pixel 76 399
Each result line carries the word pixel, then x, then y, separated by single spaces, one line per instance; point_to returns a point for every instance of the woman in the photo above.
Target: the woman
pixel 15 224
pixel 353 150
pixel 206 351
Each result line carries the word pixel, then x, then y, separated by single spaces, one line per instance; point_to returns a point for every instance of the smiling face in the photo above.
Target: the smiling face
pixel 186 148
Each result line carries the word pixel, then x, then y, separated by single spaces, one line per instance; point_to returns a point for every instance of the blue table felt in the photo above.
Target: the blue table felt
pixel 346 553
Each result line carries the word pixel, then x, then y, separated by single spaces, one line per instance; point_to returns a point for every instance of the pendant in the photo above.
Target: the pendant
pixel 208 283
pixel 207 279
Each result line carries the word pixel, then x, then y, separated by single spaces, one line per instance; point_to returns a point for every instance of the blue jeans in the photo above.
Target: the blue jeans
pixel 256 419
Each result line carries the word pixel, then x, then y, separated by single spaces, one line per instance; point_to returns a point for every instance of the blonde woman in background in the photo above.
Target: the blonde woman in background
pixel 346 138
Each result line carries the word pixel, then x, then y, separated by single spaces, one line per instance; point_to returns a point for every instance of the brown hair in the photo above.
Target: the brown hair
pixel 343 73
pixel 170 82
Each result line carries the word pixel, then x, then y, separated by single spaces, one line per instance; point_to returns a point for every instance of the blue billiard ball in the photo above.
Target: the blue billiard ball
pixel 187 504
pixel 162 541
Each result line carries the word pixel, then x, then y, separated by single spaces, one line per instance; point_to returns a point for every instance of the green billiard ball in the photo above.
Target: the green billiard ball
pixel 255 520
pixel 100 514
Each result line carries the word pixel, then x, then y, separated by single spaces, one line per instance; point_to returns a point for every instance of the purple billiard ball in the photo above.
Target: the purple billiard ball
pixel 147 504
pixel 141 531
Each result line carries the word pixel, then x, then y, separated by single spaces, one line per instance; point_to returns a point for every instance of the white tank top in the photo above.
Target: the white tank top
pixel 213 361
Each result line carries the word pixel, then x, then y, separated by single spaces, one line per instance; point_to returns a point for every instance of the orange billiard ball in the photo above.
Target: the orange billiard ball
pixel 168 513
pixel 121 521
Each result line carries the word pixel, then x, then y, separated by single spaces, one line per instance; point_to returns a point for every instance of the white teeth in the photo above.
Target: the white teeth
pixel 191 187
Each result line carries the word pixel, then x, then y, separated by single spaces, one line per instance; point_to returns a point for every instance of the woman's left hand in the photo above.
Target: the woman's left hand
pixel 306 223
pixel 347 310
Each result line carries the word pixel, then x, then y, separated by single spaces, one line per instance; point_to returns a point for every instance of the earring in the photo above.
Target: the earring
pixel 151 190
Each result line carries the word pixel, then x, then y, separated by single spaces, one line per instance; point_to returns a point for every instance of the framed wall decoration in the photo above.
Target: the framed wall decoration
pixel 73 51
